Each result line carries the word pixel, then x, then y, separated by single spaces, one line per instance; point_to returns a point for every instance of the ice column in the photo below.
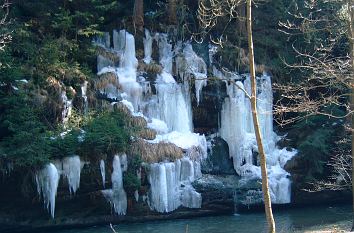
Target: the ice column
pixel 67 107
pixel 171 104
pixel 124 43
pixel 117 196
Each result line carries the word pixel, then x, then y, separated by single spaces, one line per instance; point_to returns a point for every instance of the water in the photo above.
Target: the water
pixel 287 220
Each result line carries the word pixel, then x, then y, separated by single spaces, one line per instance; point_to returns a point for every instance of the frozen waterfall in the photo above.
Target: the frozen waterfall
pixel 237 129
pixel 171 185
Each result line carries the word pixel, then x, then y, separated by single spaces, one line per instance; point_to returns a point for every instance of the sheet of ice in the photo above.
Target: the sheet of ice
pixel 172 106
pixel 159 126
pixel 183 140
pixel 103 62
pixel 47 181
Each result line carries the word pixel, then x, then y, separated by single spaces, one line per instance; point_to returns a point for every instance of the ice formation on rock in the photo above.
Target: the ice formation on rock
pixel 103 41
pixel 171 104
pixel 147 47
pixel 117 196
pixel 124 44
pixel 168 112
pixel 72 170
pixel 47 181
pixel 67 107
pixel 237 129
pixel 158 125
pixel 171 185
pixel 84 96
pixel 103 172
pixel 165 52
pixel 194 65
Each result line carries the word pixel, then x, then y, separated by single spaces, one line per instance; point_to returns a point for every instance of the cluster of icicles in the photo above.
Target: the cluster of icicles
pixel 168 111
pixel 47 179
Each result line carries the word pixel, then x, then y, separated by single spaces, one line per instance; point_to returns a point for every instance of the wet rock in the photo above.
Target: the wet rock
pixel 218 161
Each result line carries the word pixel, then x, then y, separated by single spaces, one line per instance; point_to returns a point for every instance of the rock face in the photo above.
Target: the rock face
pixel 218 161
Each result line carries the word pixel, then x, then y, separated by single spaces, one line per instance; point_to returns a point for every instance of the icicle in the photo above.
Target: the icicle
pixel 47 181
pixel 72 170
pixel 84 96
pixel 103 172
pixel 117 196
pixel 147 47
pixel 136 195
pixel 67 107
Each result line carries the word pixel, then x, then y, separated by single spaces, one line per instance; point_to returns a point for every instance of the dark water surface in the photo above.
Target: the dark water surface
pixel 287 220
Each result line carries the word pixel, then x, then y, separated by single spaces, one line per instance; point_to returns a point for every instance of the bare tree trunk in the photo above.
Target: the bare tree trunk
pixel 138 16
pixel 265 186
pixel 172 12
pixel 351 38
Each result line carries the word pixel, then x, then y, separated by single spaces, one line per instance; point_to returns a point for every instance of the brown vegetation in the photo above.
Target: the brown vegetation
pixel 156 152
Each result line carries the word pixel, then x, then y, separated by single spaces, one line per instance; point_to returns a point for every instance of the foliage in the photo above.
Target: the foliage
pixel 131 181
pixel 314 138
pixel 24 140
pixel 51 49
pixel 105 134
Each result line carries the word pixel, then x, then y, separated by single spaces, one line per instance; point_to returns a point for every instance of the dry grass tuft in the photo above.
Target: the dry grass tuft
pixel 148 134
pixel 156 152
pixel 105 79
pixel 138 121
pixel 151 68
pixel 121 108
pixel 107 54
